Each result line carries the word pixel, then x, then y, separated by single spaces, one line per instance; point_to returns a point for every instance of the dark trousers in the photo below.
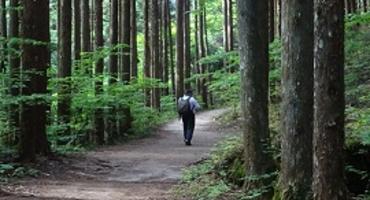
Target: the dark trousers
pixel 189 124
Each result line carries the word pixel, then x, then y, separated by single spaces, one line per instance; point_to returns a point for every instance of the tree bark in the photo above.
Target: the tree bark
pixel 187 31
pixel 155 61
pixel 64 61
pixel 111 118
pixel 147 50
pixel 86 30
pixel 354 5
pixel 3 35
pixel 166 47
pixel 113 58
pixel 196 38
pixel 14 65
pixel 172 60
pixel 36 61
pixel 365 5
pixel 271 21
pixel 125 68
pixel 99 67
pixel 77 30
pixel 297 99
pixel 202 53
pixel 179 48
pixel 329 103
pixel 133 40
pixel 225 20
pixel 254 66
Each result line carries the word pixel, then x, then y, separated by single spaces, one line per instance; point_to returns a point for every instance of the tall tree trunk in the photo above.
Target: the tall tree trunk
pixel 206 47
pixel 365 5
pixel 271 20
pixel 329 103
pixel 279 18
pixel 165 58
pixel 155 62
pixel 86 29
pixel 133 40
pixel 77 29
pixel 225 20
pixel 179 48
pixel 99 67
pixel 3 35
pixel 196 38
pixel 14 65
pixel 36 61
pixel 111 121
pixel 160 41
pixel 230 25
pixel 297 99
pixel 254 66
pixel 187 31
pixel 171 49
pixel 125 68
pixel 64 61
pixel 147 49
pixel 113 58
pixel 354 5
pixel 202 53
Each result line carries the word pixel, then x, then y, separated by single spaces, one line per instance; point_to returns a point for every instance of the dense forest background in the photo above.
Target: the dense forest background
pixel 75 74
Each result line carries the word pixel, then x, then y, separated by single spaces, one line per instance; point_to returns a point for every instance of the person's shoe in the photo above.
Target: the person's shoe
pixel 188 143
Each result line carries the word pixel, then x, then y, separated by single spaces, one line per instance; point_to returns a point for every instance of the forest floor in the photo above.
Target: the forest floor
pixel 144 169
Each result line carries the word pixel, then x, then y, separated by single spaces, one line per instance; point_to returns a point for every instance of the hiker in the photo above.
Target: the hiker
pixel 187 107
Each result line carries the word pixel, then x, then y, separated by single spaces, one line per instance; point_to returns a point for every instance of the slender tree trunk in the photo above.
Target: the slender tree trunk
pixel 36 61
pixel 99 67
pixel 147 49
pixel 85 22
pixel 111 121
pixel 230 25
pixel 3 35
pixel 165 40
pixel 209 79
pixel 77 29
pixel 172 60
pixel 155 61
pixel 160 42
pixel 225 20
pixel 365 5
pixel 297 103
pixel 125 68
pixel 328 145
pixel 187 31
pixel 271 20
pixel 202 54
pixel 354 5
pixel 254 66
pixel 279 18
pixel 180 48
pixel 226 28
pixel 14 65
pixel 113 58
pixel 133 40
pixel 64 61
pixel 197 57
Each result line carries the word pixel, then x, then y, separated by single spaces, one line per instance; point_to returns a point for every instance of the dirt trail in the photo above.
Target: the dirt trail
pixel 145 169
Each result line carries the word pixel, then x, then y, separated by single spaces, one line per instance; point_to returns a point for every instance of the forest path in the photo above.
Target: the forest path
pixel 144 169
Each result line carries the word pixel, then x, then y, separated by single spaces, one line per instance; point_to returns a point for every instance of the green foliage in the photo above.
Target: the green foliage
pixel 11 170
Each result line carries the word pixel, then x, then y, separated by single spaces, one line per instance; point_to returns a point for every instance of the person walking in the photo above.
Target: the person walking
pixel 187 107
